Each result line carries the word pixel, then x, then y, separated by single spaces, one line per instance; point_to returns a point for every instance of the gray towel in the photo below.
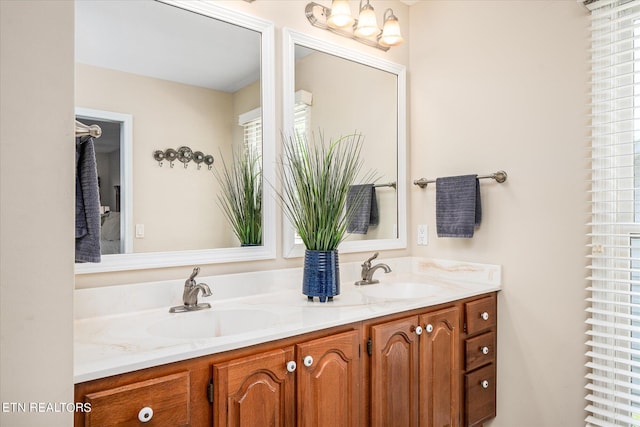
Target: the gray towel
pixel 458 207
pixel 362 207
pixel 87 203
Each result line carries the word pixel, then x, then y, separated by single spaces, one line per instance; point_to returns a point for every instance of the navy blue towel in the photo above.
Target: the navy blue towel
pixel 362 208
pixel 458 207
pixel 87 203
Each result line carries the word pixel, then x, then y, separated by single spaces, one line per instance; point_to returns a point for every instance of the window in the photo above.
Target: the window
pixel 251 123
pixel 302 118
pixel 614 303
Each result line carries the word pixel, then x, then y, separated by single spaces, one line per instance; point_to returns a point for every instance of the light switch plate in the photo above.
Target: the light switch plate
pixel 423 235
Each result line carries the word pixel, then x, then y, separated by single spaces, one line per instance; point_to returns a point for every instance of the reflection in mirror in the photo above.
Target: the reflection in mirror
pixel 113 161
pixel 336 91
pixel 200 85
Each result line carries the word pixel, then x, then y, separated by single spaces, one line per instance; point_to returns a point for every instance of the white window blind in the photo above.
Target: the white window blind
pixel 251 123
pixel 613 336
pixel 302 114
pixel 253 137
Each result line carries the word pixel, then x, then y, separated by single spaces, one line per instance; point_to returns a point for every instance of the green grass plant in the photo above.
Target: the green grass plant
pixel 241 196
pixel 316 177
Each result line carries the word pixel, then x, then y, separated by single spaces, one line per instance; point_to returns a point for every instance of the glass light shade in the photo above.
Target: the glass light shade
pixel 391 32
pixel 340 15
pixel 367 23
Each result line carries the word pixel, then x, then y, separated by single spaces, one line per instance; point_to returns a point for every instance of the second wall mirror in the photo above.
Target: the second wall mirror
pixel 339 91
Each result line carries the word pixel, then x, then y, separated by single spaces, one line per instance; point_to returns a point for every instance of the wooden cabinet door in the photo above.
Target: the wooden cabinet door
pixel 256 390
pixel 395 373
pixel 328 376
pixel 440 369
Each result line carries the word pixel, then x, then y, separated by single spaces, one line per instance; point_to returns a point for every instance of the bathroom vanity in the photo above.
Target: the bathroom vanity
pixel 417 349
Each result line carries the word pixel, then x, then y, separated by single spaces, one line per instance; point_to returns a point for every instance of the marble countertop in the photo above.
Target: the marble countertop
pixel 125 328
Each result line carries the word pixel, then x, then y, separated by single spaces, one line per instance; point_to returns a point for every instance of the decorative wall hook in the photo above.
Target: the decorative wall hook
pixel 171 154
pixel 198 157
pixel 208 160
pixel 183 154
pixel 159 156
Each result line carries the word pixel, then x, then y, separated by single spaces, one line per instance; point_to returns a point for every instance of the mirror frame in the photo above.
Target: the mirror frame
pixel 292 38
pixel 138 261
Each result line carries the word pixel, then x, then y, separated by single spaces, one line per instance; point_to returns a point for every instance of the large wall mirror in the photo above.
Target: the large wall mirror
pixel 194 78
pixel 338 91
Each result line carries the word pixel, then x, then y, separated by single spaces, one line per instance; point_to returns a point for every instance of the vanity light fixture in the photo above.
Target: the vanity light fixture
pixel 338 20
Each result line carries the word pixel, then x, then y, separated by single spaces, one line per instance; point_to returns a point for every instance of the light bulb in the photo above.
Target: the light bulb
pixel 391 31
pixel 367 23
pixel 340 16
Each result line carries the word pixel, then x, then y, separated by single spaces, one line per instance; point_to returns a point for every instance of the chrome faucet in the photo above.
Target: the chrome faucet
pixel 190 295
pixel 368 270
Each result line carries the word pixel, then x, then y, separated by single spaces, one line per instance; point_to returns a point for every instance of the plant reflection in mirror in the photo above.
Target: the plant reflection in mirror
pixel 315 178
pixel 241 195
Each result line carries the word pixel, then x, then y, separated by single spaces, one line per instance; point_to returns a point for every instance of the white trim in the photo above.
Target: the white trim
pixel 138 261
pixel 290 39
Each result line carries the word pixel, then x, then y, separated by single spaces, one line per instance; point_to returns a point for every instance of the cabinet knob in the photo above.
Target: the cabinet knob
pixel 308 361
pixel 417 330
pixel 484 350
pixel 485 384
pixel 429 327
pixel 485 315
pixel 291 366
pixel 145 414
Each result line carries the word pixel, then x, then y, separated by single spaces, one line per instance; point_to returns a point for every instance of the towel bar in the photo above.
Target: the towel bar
pixel 388 184
pixel 500 177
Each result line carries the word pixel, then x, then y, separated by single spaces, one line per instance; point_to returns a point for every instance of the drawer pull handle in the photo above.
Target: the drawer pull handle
pixel 145 414
pixel 485 315
pixel 485 384
pixel 308 361
pixel 417 329
pixel 429 327
pixel 484 350
pixel 291 366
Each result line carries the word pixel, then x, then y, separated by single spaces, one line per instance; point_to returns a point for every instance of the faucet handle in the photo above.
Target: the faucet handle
pixel 375 255
pixel 195 272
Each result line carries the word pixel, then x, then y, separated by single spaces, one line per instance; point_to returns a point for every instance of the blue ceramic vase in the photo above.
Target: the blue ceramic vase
pixel 321 276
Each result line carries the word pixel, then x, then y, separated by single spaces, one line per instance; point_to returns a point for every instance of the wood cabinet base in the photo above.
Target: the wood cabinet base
pixel 432 367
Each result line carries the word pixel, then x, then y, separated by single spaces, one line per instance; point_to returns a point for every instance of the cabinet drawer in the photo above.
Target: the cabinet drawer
pixel 480 395
pixel 162 401
pixel 480 315
pixel 480 350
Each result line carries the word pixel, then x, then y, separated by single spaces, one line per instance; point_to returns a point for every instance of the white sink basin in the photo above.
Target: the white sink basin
pixel 404 290
pixel 211 323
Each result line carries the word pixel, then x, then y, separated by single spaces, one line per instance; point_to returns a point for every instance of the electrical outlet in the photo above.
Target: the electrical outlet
pixel 139 231
pixel 423 235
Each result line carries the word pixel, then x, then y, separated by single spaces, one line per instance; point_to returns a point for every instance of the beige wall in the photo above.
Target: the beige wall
pixel 493 85
pixel 503 85
pixel 36 208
